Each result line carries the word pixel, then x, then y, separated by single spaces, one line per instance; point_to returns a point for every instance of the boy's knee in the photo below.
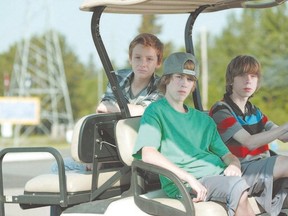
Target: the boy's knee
pixel 244 196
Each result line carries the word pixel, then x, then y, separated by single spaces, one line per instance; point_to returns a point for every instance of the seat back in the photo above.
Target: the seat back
pixel 126 131
pixel 93 141
pixel 95 131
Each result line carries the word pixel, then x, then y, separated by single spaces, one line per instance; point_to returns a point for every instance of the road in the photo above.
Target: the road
pixel 17 170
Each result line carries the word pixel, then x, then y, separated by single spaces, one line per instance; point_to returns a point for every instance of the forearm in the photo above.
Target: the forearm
pixel 267 137
pixel 257 140
pixel 233 165
pixel 107 107
pixel 284 137
pixel 230 159
pixel 136 110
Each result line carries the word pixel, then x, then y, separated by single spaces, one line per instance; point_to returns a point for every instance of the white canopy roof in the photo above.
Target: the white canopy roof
pixel 173 6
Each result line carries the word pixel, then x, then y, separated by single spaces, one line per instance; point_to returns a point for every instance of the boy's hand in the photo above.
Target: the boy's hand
pixel 198 190
pixel 232 170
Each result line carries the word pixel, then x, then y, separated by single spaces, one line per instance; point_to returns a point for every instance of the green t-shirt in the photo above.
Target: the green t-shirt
pixel 189 140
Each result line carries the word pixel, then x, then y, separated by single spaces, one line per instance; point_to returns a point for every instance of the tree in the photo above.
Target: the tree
pixel 260 33
pixel 6 66
pixel 148 24
pixel 81 79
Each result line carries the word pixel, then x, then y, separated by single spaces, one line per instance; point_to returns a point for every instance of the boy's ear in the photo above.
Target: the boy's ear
pixel 158 65
pixel 130 62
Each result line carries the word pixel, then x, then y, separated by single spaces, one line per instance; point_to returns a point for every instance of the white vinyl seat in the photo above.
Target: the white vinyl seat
pixel 75 182
pixel 93 142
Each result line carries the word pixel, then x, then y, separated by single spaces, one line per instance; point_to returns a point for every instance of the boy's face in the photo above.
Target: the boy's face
pixel 144 61
pixel 179 87
pixel 245 85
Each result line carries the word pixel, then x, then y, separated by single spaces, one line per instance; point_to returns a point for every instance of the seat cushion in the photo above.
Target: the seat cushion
pixel 201 208
pixel 76 182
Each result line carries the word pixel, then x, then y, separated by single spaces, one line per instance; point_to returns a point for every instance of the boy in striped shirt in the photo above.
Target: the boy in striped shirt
pixel 247 131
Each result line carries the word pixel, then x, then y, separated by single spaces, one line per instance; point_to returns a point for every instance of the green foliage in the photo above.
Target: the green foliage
pixel 81 79
pixel 260 33
pixel 6 65
pixel 148 24
pixel 77 76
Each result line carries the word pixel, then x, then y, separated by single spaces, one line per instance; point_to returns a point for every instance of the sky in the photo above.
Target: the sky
pixel 23 18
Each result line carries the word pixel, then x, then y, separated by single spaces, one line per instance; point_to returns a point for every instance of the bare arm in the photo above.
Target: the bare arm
pixel 258 140
pixel 152 156
pixel 108 107
pixel 136 110
pixel 284 137
pixel 233 165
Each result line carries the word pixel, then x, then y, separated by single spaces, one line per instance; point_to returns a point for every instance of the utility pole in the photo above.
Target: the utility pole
pixel 100 85
pixel 204 60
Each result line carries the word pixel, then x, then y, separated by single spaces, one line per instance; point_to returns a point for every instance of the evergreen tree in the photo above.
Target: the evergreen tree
pixel 149 25
pixel 76 76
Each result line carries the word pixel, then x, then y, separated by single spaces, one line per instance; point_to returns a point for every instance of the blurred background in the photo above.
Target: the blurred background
pixel 47 53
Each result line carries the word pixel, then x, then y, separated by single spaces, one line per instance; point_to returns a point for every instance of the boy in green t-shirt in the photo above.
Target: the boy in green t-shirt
pixel 186 142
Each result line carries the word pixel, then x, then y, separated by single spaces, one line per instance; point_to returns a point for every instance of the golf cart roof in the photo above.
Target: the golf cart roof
pixel 173 6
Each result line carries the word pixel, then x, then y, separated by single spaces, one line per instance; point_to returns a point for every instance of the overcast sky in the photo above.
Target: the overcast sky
pixel 28 17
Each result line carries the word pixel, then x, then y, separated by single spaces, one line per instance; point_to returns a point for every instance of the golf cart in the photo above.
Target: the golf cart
pixel 118 184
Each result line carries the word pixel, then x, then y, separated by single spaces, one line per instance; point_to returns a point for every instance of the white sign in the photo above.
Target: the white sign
pixel 20 110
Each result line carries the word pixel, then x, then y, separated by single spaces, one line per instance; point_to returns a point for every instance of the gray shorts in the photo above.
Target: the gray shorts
pixel 259 176
pixel 225 189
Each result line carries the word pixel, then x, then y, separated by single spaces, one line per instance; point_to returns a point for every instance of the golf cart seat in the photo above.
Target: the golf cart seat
pixel 150 199
pixel 93 142
pixel 82 151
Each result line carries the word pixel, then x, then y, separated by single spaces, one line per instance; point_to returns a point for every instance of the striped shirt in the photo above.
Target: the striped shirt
pixel 144 98
pixel 230 119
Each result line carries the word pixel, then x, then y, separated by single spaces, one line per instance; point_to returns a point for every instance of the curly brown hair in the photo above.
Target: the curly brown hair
pixel 148 40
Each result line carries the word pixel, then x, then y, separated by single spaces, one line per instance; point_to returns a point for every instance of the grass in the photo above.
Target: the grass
pixel 34 141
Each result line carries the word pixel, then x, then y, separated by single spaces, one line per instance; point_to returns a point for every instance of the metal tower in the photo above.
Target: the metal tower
pixel 38 71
